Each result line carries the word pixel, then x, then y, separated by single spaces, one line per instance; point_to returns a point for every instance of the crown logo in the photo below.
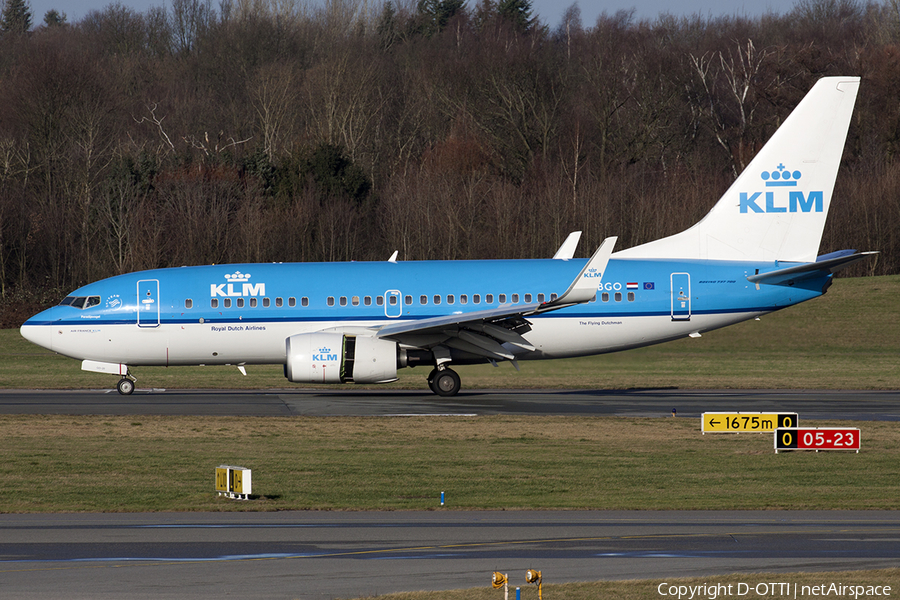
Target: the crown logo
pixel 781 178
pixel 237 276
pixel 324 350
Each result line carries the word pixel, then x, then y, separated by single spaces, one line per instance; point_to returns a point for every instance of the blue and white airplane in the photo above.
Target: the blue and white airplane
pixel 754 253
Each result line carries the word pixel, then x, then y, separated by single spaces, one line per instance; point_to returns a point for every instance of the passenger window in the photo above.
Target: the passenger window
pixel 379 300
pixel 227 303
pixel 188 303
pixel 605 296
pixel 393 300
pixel 240 303
pixel 252 302
pixel 214 303
pixel 367 300
pixel 527 297
pixel 541 298
pixel 554 297
pixel 292 302
pixel 343 300
pixel 304 301
pixel 631 296
pixel 330 301
pixel 266 302
pixel 408 300
pixel 437 299
pixel 463 299
pixel 423 299
pixel 476 298
pixel 489 298
pixel 451 298
pixel 279 302
pixel 618 296
pixel 515 298
pixel 502 298
pixel 354 300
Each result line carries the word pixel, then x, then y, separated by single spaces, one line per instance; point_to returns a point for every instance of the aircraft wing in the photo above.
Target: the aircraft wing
pixel 830 263
pixel 484 332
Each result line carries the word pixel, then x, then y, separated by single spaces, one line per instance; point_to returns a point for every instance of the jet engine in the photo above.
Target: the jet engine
pixel 331 357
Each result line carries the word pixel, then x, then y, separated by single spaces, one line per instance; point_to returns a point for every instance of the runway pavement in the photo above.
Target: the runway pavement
pixel 319 555
pixel 817 404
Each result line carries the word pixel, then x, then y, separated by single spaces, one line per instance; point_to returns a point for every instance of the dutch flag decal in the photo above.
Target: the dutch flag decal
pixel 631 285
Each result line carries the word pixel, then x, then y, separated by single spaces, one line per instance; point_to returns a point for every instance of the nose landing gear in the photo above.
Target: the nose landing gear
pixel 125 386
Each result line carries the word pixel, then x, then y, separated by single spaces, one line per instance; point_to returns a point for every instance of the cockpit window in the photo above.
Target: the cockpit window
pixel 80 301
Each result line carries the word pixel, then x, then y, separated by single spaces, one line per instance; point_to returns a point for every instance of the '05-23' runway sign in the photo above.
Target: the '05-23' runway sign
pixel 746 422
pixel 817 438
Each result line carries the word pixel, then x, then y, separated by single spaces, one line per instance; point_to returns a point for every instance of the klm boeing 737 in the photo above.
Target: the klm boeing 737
pixel 754 253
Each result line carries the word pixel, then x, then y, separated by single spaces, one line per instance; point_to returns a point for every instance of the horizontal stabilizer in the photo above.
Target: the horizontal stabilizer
pixel 806 270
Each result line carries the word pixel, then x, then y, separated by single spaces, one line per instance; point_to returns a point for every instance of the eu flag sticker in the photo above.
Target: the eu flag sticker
pixel 649 285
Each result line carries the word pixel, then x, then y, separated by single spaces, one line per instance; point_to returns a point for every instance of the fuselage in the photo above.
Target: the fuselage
pixel 243 313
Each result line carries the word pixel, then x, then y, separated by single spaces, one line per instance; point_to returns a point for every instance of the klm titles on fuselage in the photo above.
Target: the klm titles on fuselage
pixel 797 201
pixel 238 285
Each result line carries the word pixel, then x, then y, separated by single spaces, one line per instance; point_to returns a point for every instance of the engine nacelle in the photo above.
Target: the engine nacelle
pixel 329 357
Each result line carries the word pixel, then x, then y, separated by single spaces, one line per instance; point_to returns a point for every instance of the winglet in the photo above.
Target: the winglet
pixel 393 257
pixel 567 250
pixel 585 285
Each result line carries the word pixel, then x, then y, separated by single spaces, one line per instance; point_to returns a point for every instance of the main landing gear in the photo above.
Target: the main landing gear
pixel 125 386
pixel 444 381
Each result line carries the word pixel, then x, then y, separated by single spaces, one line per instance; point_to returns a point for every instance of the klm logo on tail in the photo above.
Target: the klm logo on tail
pixel 772 202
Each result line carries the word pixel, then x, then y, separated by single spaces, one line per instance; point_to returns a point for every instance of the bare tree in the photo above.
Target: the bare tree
pixel 730 88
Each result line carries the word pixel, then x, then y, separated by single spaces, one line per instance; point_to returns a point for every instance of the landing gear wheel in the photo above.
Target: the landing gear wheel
pixel 431 377
pixel 445 383
pixel 125 386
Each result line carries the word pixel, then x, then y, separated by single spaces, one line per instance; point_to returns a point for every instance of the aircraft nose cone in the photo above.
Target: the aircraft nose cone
pixel 38 334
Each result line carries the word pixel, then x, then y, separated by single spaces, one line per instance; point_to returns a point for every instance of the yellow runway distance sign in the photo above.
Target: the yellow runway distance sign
pixel 746 422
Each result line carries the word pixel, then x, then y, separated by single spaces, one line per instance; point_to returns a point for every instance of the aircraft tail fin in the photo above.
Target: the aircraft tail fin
pixel 776 208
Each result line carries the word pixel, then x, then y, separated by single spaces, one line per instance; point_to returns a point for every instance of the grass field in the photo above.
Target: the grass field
pixel 848 339
pixel 101 464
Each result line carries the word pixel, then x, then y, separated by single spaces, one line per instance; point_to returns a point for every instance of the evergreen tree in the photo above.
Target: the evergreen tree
pixel 437 13
pixel 53 18
pixel 516 11
pixel 387 25
pixel 16 17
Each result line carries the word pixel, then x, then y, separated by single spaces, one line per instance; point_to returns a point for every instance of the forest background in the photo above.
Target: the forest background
pixel 256 131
